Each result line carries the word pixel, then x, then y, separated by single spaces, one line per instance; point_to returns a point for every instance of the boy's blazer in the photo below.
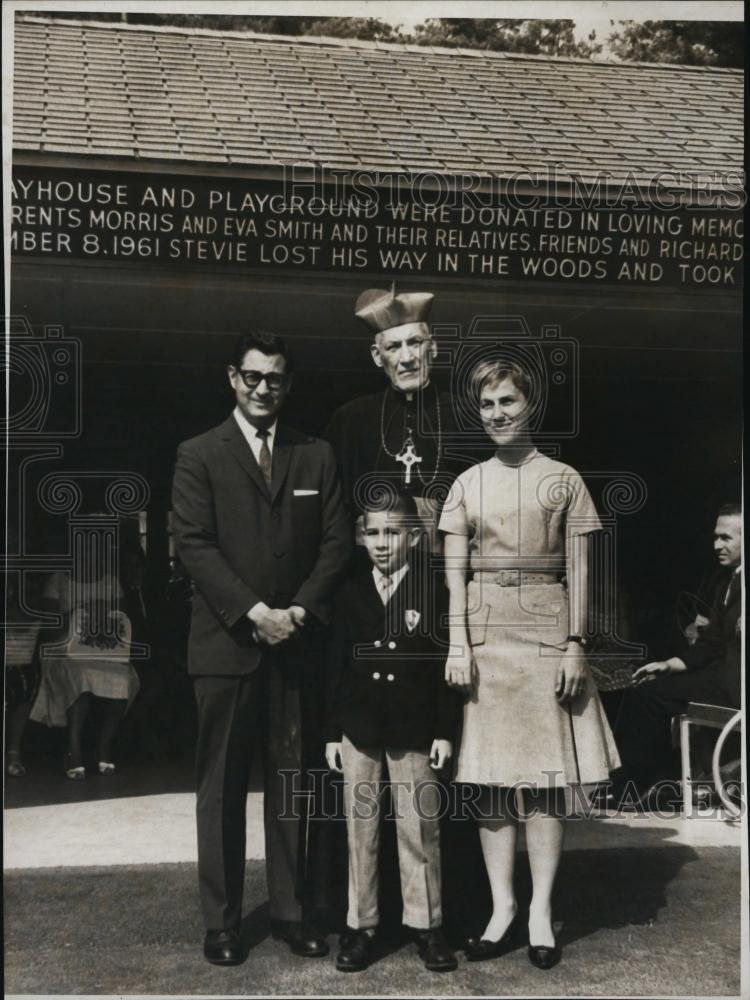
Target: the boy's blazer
pixel 385 682
pixel 242 543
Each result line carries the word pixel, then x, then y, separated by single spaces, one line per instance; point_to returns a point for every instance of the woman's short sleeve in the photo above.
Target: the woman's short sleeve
pixel 453 519
pixel 581 515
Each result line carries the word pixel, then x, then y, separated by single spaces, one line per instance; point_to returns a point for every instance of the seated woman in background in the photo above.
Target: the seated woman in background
pixel 86 658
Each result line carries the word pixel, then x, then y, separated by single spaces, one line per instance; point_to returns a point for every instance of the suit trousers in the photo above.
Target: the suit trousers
pixel 643 729
pixel 232 712
pixel 416 803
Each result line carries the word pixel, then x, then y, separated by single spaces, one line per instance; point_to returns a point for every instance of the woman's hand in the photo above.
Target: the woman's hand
pixel 571 674
pixel 441 752
pixel 333 757
pixel 459 667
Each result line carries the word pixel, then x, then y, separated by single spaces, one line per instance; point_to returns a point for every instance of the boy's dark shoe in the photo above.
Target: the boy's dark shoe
pixel 435 951
pixel 357 949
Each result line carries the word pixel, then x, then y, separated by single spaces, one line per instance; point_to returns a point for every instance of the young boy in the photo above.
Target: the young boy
pixel 388 703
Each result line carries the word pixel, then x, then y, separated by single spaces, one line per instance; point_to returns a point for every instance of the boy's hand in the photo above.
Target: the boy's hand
pixel 333 757
pixel 441 752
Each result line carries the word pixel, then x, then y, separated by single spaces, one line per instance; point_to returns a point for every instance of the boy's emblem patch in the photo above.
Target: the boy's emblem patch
pixel 411 618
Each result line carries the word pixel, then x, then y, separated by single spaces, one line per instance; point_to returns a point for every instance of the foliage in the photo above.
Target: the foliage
pixel 691 43
pixel 366 28
pixel 534 37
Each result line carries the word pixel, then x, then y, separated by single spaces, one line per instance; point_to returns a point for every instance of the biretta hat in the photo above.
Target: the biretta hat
pixel 381 310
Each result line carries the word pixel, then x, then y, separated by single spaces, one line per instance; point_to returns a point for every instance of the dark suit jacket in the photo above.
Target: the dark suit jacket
pixel 242 544
pixel 385 685
pixel 719 643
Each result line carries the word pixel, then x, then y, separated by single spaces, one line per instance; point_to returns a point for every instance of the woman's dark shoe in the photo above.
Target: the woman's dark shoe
pixel 357 949
pixel 223 947
pixel 435 951
pixel 73 768
pixel 543 957
pixel 480 950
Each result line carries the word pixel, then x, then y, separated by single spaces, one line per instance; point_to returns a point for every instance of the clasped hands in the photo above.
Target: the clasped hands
pixel 274 626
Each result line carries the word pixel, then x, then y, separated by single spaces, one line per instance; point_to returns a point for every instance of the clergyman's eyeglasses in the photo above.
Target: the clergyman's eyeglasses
pixel 252 379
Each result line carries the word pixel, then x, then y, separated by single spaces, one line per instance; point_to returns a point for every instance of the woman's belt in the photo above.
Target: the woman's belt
pixel 515 577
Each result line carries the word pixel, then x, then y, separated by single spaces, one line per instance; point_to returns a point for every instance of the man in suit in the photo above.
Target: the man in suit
pixel 709 671
pixel 389 705
pixel 261 529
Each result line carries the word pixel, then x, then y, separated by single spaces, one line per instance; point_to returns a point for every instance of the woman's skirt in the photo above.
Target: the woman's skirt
pixel 514 729
pixel 65 679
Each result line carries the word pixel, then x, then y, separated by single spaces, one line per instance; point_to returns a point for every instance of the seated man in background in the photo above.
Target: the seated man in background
pixel 708 671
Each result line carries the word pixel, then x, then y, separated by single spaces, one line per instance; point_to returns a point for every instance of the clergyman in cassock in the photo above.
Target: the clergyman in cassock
pixel 397 436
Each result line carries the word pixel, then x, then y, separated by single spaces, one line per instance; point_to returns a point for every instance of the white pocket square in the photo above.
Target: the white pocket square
pixel 306 493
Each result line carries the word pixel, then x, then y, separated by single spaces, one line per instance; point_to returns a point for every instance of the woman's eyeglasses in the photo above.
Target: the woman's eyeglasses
pixel 252 379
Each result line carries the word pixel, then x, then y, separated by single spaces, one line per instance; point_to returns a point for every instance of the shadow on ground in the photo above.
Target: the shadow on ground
pixel 585 901
pixel 656 921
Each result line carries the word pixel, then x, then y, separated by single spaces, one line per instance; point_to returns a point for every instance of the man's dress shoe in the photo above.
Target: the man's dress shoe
pixel 543 957
pixel 357 949
pixel 435 951
pixel 223 947
pixel 302 937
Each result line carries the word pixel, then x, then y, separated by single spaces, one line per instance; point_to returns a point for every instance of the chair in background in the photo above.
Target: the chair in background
pixel 713 717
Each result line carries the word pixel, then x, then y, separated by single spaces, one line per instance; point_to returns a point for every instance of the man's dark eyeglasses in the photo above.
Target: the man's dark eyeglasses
pixel 274 380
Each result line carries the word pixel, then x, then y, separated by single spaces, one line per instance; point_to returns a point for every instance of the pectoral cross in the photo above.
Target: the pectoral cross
pixel 408 457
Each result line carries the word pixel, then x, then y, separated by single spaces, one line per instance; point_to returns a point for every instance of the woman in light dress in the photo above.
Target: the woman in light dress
pixel 519 524
pixel 87 658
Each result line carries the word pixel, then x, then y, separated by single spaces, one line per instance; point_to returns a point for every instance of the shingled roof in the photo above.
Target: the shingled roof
pixel 199 96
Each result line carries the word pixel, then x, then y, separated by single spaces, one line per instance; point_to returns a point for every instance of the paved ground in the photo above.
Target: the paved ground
pixel 50 821
pixel 651 921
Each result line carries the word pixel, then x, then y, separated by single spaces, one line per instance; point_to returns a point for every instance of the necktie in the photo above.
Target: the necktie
pixel 264 458
pixel 384 587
